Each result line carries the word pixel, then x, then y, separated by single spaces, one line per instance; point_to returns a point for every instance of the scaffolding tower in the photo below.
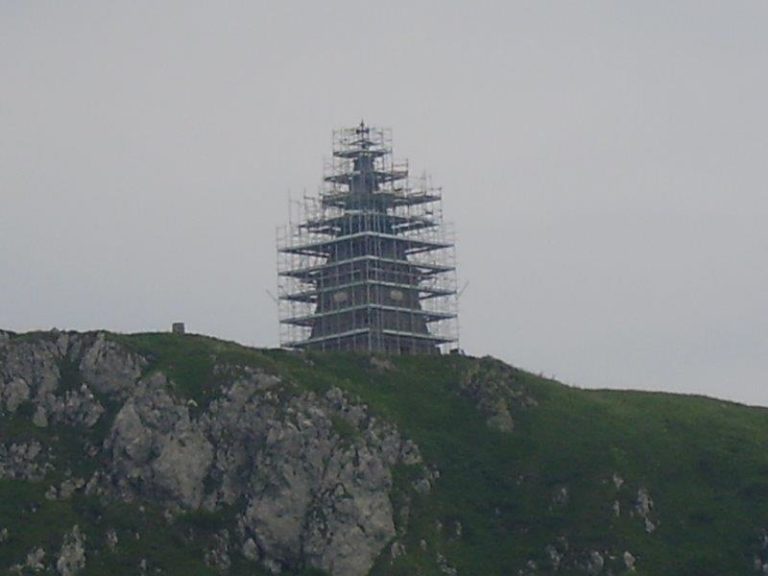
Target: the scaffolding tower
pixel 368 265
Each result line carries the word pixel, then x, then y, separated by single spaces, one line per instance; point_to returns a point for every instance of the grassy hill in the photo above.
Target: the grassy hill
pixel 528 476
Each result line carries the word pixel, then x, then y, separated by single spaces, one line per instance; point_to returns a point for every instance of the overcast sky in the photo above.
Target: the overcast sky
pixel 605 164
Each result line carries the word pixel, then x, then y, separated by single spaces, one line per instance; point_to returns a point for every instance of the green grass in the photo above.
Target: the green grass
pixel 703 461
pixel 196 365
pixel 346 430
pixel 176 548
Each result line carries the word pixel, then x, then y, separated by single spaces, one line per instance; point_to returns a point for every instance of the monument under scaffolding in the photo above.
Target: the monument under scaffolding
pixel 368 265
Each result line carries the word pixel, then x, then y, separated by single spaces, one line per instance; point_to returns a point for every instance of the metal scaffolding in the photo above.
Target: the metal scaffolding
pixel 368 265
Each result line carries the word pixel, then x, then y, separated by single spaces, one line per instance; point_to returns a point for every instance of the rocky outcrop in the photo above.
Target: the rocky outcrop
pixel 162 454
pixel 315 495
pixel 34 563
pixel 308 474
pixel 71 559
pixel 23 460
pixel 156 449
pixel 644 508
pixel 497 391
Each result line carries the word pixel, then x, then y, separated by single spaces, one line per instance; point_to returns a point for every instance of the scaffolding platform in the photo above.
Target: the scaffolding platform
pixel 368 264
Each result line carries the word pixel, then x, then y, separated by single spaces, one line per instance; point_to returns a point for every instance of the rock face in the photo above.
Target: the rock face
pixel 72 555
pixel 492 386
pixel 163 455
pixel 308 475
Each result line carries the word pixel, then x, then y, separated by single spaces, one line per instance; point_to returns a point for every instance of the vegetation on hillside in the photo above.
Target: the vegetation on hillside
pixel 569 480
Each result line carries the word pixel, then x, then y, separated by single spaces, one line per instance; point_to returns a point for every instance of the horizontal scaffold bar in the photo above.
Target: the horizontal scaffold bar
pixel 335 225
pixel 359 332
pixel 323 247
pixel 380 176
pixel 403 334
pixel 420 268
pixel 361 152
pixel 311 295
pixel 310 319
pixel 342 199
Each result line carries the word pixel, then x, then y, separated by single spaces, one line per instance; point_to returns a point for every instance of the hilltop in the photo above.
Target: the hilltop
pixel 182 454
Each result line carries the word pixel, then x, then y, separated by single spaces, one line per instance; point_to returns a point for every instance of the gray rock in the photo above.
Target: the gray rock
pixel 422 485
pixel 595 563
pixel 109 368
pixel 644 507
pixel 28 370
pixel 629 561
pixel 34 563
pixel 182 465
pixel 218 556
pixel 23 461
pixel 40 418
pixel 312 495
pixel 14 393
pixel 501 419
pixel 131 440
pixel 69 487
pixel 561 497
pixel 383 364
pixel 112 539
pixel 444 566
pixel 495 390
pixel 250 550
pixel 71 557
pixel 396 550
pixel 644 502
pixel 35 559
pixel 554 557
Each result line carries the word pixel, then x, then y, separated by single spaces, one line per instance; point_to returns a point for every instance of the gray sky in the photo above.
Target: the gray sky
pixel 604 163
